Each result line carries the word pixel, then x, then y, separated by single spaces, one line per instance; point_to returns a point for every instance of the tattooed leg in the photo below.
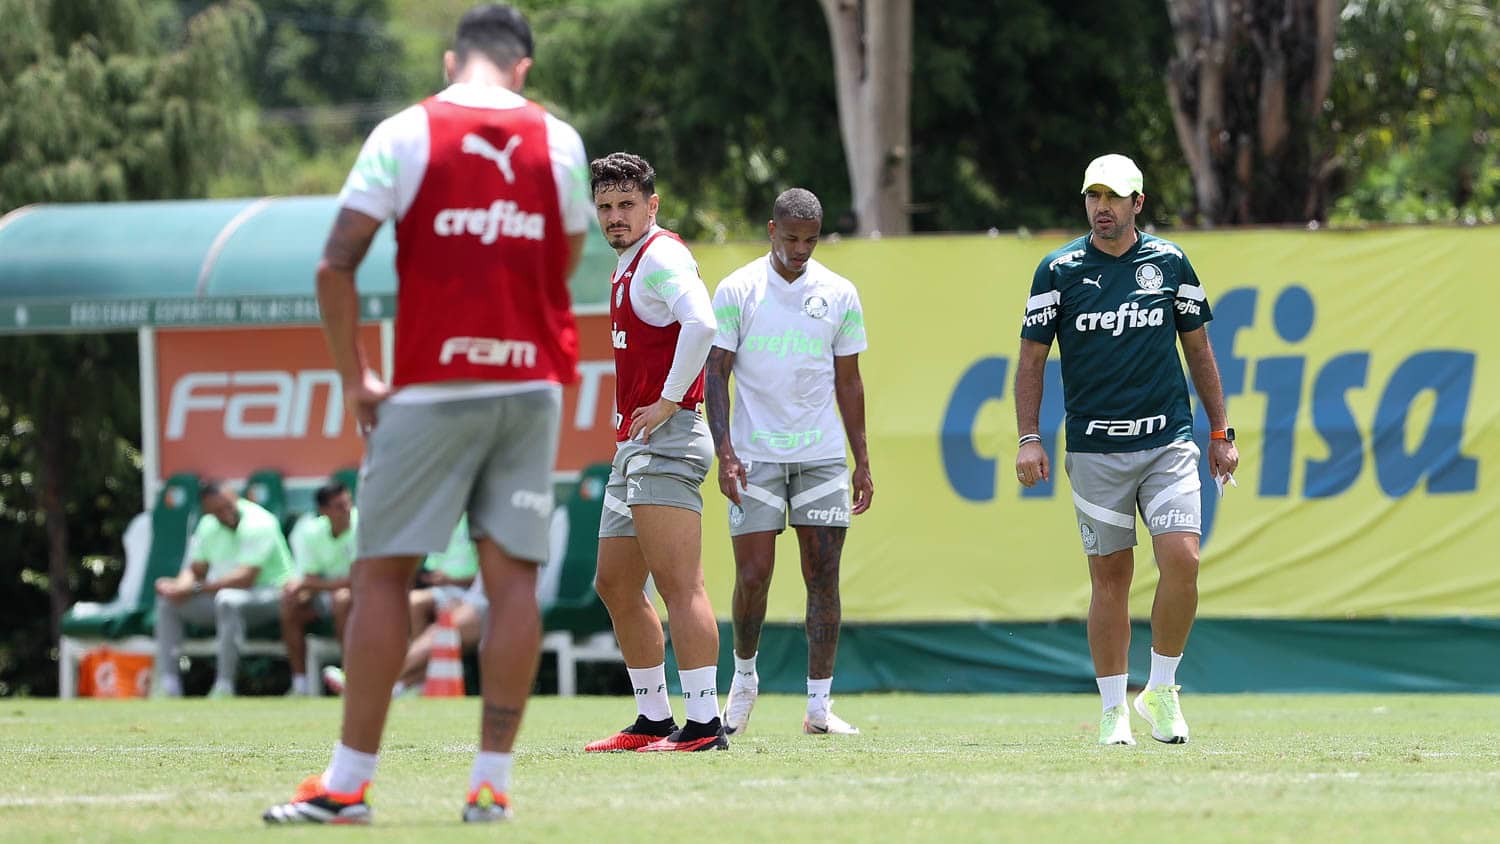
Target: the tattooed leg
pixel 754 560
pixel 822 548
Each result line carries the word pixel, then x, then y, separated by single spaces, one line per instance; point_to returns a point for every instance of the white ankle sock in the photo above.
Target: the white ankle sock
pixel 492 768
pixel 1163 670
pixel 817 697
pixel 650 686
pixel 299 684
pixel 349 770
pixel 1112 690
pixel 744 672
pixel 700 688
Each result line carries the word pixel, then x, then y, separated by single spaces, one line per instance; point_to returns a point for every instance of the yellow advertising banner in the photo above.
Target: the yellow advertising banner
pixel 1362 373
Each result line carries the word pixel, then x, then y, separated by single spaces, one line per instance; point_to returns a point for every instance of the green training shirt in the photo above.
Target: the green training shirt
pixel 317 551
pixel 461 559
pixel 1116 322
pixel 255 541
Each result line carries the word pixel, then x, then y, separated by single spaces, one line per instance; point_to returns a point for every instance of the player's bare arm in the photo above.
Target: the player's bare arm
pixel 716 401
pixel 1031 458
pixel 1223 456
pixel 849 391
pixel 338 300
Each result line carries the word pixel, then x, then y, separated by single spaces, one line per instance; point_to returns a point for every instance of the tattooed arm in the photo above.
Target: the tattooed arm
pixel 849 391
pixel 716 400
pixel 339 303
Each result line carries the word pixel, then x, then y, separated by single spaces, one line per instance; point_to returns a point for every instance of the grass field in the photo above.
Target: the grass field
pixel 992 768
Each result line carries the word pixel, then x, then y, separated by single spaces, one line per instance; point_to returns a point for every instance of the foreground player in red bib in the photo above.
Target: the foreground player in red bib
pixel 662 326
pixel 490 207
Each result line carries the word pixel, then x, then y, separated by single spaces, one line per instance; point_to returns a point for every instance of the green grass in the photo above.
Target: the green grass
pixel 996 768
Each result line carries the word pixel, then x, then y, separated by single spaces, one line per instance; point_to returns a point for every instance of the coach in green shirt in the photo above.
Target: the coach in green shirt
pixel 235 566
pixel 323 549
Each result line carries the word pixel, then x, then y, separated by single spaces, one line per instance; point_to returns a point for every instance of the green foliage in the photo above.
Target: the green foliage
pixel 97 109
pixel 105 100
pixel 1417 111
pixel 81 392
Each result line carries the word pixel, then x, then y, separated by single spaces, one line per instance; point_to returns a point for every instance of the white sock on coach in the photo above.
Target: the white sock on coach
pixel 299 684
pixel 700 688
pixel 1163 670
pixel 1112 690
pixel 650 685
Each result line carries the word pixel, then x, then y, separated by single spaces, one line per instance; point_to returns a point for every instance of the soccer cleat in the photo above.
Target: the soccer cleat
pixel 691 738
pixel 1161 709
pixel 634 737
pixel 314 803
pixel 1114 726
pixel 828 725
pixel 737 710
pixel 333 678
pixel 487 805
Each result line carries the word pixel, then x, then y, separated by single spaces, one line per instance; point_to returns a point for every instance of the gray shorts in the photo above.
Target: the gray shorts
pixel 427 464
pixel 815 494
pixel 667 470
pixel 1162 483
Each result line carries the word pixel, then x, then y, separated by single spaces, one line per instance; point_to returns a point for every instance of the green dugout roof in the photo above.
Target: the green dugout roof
pixel 118 266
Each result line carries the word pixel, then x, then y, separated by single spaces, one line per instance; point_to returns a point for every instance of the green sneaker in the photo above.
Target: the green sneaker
pixel 1114 727
pixel 1160 708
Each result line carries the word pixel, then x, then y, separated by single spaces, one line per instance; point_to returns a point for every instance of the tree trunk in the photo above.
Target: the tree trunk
pixel 52 437
pixel 1247 88
pixel 872 67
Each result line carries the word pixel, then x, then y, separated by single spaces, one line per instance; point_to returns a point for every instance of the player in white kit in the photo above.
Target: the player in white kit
pixel 790 331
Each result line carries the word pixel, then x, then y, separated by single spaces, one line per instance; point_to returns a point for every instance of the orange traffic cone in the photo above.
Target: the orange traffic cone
pixel 445 667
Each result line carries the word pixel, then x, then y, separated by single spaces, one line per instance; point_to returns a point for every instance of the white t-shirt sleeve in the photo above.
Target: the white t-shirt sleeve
pixel 696 313
pixel 390 166
pixel 849 337
pixel 570 169
pixel 729 302
pixel 667 289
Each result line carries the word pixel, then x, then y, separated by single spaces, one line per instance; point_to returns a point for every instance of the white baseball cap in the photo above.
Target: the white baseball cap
pixel 1115 172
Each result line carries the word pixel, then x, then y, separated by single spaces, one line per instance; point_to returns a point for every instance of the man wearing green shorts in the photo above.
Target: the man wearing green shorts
pixel 1118 301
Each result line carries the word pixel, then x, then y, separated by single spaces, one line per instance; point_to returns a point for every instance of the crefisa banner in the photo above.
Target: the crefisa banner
pixel 1361 371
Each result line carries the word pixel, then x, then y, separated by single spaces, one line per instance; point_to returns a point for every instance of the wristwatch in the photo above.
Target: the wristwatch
pixel 1227 435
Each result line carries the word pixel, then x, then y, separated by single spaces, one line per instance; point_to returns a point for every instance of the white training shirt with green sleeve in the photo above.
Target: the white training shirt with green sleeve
pixel 255 541
pixel 784 336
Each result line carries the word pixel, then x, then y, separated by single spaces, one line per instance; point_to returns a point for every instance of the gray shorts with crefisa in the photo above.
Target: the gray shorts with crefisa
pixel 668 470
pixel 1162 483
pixel 805 494
pixel 427 464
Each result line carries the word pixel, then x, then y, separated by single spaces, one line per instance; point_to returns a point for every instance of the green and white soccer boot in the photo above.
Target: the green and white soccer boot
pixel 1162 710
pixel 1114 726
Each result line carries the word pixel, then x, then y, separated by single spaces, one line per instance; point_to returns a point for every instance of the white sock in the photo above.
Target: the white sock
pixel 744 672
pixel 651 699
pixel 817 697
pixel 492 768
pixel 1163 670
pixel 1112 690
pixel 700 688
pixel 299 684
pixel 170 684
pixel 349 770
pixel 397 689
